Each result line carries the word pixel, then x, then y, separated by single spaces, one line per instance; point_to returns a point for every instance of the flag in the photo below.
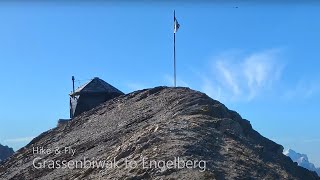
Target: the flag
pixel 176 25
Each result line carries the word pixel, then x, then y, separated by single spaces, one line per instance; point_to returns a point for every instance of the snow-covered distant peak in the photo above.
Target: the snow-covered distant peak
pixel 301 159
pixel 295 156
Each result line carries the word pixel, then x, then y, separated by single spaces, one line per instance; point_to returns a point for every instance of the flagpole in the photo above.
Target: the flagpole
pixel 174 50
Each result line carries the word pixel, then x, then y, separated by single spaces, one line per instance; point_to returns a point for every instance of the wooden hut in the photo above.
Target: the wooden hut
pixel 91 95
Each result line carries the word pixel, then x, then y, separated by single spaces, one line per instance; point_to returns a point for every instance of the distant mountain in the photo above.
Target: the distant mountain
pixel 5 152
pixel 302 160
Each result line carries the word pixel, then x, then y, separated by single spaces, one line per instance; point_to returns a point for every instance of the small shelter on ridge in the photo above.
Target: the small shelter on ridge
pixel 91 95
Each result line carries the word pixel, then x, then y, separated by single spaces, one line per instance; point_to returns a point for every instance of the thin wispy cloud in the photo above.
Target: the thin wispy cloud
pixel 136 86
pixel 312 140
pixel 296 140
pixel 262 70
pixel 235 77
pixel 304 89
pixel 228 77
pixel 169 81
pixel 211 90
pixel 19 140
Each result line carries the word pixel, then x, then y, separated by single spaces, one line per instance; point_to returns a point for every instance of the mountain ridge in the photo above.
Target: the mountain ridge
pixel 5 152
pixel 160 124
pixel 302 160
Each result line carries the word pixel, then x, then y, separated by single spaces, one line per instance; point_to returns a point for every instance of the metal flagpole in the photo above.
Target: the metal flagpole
pixel 174 47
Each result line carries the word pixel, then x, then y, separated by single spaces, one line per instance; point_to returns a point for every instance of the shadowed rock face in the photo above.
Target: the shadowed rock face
pixel 158 124
pixel 5 152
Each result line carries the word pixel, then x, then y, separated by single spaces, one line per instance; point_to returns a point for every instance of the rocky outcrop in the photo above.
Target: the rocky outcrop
pixel 159 133
pixel 5 152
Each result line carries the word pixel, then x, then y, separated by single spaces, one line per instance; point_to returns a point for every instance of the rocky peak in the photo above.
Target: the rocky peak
pixel 5 152
pixel 150 134
pixel 302 160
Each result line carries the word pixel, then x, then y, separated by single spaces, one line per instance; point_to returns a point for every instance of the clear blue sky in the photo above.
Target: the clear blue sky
pixel 261 60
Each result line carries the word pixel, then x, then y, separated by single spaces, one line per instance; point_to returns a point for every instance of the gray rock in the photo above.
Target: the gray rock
pixel 162 125
pixel 5 152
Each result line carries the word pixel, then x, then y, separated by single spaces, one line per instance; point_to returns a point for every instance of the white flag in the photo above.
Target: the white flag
pixel 176 25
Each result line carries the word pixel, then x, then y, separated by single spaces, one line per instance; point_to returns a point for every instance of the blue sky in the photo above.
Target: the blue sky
pixel 261 60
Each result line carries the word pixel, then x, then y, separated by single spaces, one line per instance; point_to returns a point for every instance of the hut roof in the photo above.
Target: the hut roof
pixel 96 85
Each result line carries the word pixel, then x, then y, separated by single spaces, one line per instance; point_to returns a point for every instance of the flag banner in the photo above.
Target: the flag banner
pixel 176 25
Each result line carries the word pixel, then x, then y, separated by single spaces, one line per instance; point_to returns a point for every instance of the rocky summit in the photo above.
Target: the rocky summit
pixel 158 133
pixel 5 152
